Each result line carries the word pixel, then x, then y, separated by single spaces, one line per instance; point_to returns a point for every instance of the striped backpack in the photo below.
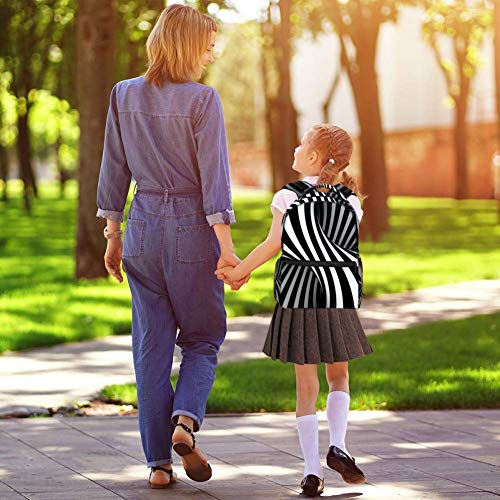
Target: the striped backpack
pixel 320 266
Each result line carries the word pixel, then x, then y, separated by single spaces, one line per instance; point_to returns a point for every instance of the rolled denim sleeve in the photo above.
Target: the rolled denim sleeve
pixel 213 162
pixel 114 176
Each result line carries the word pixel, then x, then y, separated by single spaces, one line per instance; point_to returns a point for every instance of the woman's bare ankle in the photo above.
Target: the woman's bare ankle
pixel 188 421
pixel 165 466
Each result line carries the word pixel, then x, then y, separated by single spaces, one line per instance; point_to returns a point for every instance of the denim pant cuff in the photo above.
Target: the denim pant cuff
pixel 197 421
pixel 156 463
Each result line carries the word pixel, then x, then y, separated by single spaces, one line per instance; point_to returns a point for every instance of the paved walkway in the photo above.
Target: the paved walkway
pixel 409 455
pixel 58 375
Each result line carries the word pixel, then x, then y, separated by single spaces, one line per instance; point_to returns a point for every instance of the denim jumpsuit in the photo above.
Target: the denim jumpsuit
pixel 172 141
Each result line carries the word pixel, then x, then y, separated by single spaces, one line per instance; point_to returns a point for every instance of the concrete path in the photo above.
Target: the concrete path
pixel 58 375
pixel 408 455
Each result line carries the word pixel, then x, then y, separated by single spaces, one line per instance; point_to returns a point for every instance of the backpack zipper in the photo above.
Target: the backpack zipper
pixel 319 263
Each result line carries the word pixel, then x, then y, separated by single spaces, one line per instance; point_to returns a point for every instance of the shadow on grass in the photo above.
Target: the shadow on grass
pixel 432 241
pixel 442 365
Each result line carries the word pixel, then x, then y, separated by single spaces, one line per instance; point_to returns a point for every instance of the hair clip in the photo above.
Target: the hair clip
pixel 332 161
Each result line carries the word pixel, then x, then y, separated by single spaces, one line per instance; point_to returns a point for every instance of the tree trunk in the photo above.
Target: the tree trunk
pixel 4 171
pixel 460 132
pixel 62 173
pixel 497 67
pixel 285 119
pixel 364 83
pixel 95 31
pixel 460 142
pixel 24 158
pixel 496 28
pixel 331 93
pixel 280 114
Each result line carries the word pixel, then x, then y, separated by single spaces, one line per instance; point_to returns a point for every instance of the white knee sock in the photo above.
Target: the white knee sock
pixel 337 413
pixel 307 427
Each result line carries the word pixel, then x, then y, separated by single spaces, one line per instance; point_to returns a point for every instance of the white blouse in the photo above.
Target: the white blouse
pixel 284 198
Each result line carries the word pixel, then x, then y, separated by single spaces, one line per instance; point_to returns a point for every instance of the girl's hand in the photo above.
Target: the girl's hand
pixel 226 274
pixel 113 258
pixel 231 260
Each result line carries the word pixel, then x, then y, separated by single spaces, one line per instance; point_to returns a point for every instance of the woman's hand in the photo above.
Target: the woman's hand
pixel 227 274
pixel 113 258
pixel 231 260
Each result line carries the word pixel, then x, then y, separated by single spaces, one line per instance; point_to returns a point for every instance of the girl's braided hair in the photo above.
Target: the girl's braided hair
pixel 334 147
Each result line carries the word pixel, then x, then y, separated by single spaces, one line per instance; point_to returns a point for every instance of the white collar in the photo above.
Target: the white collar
pixel 311 179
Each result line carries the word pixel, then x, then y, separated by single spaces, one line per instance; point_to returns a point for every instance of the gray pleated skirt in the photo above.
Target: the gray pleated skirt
pixel 314 336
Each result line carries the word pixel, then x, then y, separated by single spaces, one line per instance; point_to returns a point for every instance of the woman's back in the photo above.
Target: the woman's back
pixel 159 129
pixel 165 137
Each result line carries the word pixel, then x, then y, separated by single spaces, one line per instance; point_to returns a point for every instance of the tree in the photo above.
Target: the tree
pixel 496 159
pixel 281 116
pixel 464 24
pixel 135 22
pixel 239 84
pixel 5 140
pixel 496 8
pixel 31 32
pixel 357 24
pixel 96 23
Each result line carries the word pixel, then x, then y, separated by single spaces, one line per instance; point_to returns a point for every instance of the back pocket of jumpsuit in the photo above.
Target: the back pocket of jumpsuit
pixel 133 244
pixel 193 243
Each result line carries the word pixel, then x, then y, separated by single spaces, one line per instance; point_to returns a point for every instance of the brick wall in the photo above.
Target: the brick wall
pixel 419 162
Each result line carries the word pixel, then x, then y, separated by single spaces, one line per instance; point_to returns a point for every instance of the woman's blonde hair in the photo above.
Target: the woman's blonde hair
pixel 177 43
pixel 333 143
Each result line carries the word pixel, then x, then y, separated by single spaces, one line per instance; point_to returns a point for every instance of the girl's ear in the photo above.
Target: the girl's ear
pixel 312 157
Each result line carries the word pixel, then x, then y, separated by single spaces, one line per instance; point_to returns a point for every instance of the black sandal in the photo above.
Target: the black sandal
pixel 188 430
pixel 160 486
pixel 195 464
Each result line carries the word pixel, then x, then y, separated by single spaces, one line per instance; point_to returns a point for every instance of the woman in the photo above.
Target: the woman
pixel 168 133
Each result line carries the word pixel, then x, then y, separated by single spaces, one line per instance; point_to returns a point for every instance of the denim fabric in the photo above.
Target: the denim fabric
pixel 166 137
pixel 170 253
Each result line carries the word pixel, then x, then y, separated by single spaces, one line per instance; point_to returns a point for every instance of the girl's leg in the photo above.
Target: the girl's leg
pixel 337 405
pixel 337 412
pixel 307 385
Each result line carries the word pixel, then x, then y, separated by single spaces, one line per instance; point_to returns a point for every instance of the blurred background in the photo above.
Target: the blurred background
pixel 415 82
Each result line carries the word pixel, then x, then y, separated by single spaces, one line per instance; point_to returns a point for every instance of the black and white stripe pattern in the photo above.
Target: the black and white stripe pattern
pixel 320 266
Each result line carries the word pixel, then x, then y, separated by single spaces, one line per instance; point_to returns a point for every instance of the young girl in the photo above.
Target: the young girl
pixel 311 336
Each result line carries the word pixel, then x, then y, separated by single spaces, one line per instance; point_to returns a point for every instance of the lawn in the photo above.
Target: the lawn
pixel 432 241
pixel 447 364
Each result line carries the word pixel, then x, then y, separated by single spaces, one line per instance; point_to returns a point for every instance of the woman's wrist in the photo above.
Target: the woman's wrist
pixel 227 253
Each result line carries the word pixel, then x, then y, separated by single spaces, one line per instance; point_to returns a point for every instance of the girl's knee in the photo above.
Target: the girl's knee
pixel 307 390
pixel 337 373
pixel 307 382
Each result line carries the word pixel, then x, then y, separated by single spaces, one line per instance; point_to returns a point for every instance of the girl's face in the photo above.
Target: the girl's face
pixel 306 160
pixel 207 57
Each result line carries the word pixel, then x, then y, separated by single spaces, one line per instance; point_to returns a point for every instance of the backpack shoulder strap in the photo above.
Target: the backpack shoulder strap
pixel 297 187
pixel 344 190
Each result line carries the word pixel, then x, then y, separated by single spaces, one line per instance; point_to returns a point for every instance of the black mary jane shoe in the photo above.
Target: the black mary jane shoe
pixel 345 465
pixel 160 486
pixel 312 486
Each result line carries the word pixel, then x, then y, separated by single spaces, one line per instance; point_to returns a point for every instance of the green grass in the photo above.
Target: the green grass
pixel 447 364
pixel 432 241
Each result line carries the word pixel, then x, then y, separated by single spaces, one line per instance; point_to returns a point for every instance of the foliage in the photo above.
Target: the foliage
pixel 136 19
pixel 235 77
pixel 54 124
pixel 8 110
pixel 30 40
pixel 465 25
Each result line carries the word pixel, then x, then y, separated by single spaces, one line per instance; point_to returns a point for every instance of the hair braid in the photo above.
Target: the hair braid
pixel 334 147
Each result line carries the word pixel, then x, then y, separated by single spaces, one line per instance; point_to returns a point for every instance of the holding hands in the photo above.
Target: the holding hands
pixel 235 272
pixel 227 272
